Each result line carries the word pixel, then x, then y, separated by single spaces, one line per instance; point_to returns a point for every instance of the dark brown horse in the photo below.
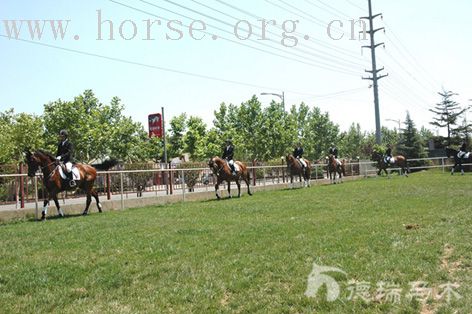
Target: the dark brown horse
pixel 295 168
pixel 54 184
pixel 222 171
pixel 399 162
pixel 335 168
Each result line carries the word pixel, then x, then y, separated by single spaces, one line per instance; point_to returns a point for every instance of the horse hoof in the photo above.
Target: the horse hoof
pixel 84 213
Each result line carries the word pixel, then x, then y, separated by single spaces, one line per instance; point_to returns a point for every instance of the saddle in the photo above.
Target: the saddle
pixel 69 178
pixel 389 160
pixel 235 165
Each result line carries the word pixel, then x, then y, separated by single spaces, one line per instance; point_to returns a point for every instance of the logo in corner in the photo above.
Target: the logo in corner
pixel 317 278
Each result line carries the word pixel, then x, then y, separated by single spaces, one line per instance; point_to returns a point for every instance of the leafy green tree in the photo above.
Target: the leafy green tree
pixel 410 144
pixel 178 126
pixel 194 138
pixel 352 141
pixel 19 132
pixel 97 130
pixel 212 144
pixel 447 113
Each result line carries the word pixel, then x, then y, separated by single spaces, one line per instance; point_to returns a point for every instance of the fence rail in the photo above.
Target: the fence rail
pixel 20 191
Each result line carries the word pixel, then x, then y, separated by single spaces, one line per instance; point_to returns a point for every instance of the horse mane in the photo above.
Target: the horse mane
pixel 451 152
pixel 46 153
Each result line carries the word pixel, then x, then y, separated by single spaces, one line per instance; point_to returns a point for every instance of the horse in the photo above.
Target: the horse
pixel 295 168
pixel 222 171
pixel 452 153
pixel 333 168
pixel 54 183
pixel 399 161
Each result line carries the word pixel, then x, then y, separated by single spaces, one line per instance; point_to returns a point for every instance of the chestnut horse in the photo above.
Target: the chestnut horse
pixel 295 168
pixel 223 172
pixel 334 168
pixel 452 153
pixel 399 162
pixel 54 184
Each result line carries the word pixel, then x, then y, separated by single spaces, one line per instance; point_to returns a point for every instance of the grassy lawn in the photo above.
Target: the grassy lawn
pixel 249 255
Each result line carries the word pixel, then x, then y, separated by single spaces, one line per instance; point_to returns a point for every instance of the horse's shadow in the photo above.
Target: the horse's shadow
pixel 58 217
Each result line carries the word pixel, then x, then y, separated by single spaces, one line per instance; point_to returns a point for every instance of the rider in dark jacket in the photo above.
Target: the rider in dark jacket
pixel 388 154
pixel 298 154
pixel 333 150
pixel 228 154
pixel 65 154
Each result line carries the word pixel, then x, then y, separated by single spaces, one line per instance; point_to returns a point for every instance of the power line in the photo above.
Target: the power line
pixel 316 41
pixel 156 67
pixel 318 64
pixel 348 62
pixel 333 9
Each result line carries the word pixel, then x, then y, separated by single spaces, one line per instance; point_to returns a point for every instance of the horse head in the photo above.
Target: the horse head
pixel 215 164
pixel 376 156
pixel 33 163
pixel 39 159
pixel 290 159
pixel 451 153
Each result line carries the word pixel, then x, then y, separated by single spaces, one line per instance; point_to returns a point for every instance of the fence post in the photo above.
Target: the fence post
pixel 108 186
pixel 283 171
pixel 22 187
pixel 36 197
pixel 265 178
pixel 443 165
pixel 183 184
pixel 253 173
pixel 170 175
pixel 316 172
pixel 121 191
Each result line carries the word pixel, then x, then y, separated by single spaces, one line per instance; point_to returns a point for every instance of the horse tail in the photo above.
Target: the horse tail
pixel 106 165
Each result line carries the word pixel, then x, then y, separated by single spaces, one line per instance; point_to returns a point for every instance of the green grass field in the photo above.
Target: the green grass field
pixel 249 255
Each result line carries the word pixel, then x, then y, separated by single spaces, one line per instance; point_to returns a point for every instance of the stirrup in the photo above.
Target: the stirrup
pixel 72 183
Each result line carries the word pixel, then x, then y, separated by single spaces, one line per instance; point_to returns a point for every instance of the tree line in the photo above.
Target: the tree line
pixel 259 133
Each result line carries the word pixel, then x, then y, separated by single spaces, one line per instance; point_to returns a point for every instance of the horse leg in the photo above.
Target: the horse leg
pixel 95 196
pixel 217 186
pixel 246 179
pixel 59 210
pixel 45 208
pixel 461 167
pixel 453 169
pixel 229 189
pixel 87 205
pixel 238 183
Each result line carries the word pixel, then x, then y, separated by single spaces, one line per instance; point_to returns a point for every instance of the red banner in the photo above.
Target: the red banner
pixel 155 125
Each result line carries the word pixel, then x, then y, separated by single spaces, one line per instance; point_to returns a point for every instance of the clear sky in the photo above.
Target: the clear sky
pixel 428 47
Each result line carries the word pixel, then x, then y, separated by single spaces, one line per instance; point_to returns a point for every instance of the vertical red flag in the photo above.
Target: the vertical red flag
pixel 155 125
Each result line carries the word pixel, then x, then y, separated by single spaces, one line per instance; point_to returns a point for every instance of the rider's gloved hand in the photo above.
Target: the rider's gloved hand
pixel 58 158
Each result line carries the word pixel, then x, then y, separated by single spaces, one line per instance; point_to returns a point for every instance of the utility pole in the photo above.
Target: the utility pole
pixel 375 77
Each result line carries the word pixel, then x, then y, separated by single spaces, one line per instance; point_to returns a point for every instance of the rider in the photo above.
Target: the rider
pixel 298 154
pixel 228 155
pixel 388 154
pixel 333 150
pixel 463 153
pixel 65 153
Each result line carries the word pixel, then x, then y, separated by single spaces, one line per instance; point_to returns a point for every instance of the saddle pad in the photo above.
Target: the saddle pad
pixel 75 173
pixel 236 166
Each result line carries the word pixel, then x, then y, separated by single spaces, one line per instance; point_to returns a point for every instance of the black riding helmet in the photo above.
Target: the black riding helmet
pixel 64 133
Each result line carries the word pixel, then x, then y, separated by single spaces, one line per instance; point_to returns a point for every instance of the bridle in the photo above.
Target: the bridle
pixel 46 167
pixel 215 168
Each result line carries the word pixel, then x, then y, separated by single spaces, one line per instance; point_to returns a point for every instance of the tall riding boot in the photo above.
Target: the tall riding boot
pixel 72 182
